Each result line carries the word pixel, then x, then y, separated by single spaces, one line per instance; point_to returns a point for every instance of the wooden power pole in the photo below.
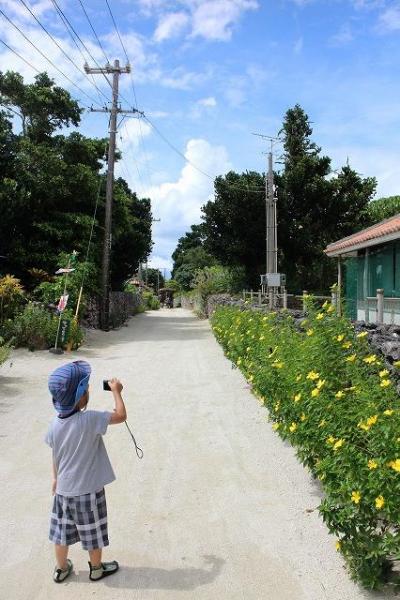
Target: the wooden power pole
pixel 116 71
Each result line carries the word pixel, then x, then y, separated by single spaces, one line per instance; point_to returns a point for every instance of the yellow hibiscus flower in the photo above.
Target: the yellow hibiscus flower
pixel 312 375
pixel 351 358
pixel 370 359
pixel 362 334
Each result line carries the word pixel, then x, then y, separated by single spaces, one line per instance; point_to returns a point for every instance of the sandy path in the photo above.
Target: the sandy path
pixel 218 509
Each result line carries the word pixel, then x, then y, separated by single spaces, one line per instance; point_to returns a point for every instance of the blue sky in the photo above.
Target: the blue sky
pixel 208 73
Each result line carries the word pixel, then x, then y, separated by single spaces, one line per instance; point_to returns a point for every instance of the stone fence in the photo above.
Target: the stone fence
pixel 122 306
pixel 383 339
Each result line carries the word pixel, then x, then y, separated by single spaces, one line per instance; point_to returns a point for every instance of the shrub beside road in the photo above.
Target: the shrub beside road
pixel 336 402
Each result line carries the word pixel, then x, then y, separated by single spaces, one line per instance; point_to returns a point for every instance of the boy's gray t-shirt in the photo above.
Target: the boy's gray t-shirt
pixel 79 452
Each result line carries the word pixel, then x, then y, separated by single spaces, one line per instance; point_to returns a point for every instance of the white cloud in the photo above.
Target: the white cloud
pixel 215 19
pixel 170 26
pixel 210 101
pixel 158 262
pixel 389 20
pixel 210 19
pixel 181 79
pixel 178 203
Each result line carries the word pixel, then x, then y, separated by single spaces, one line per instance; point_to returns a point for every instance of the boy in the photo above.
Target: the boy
pixel 81 469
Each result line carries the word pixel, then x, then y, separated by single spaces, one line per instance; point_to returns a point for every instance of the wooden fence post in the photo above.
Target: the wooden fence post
pixel 284 298
pixel 259 298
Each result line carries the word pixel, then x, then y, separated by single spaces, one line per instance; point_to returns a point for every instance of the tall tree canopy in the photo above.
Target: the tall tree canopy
pixel 382 208
pixel 314 208
pixel 50 183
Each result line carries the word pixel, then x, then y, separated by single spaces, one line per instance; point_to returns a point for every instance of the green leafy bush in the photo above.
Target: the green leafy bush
pixel 150 301
pixel 11 296
pixel 4 351
pixel 335 401
pixel 36 329
pixel 49 292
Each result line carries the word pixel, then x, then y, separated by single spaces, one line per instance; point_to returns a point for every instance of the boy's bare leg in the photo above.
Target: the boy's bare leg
pixel 95 557
pixel 61 556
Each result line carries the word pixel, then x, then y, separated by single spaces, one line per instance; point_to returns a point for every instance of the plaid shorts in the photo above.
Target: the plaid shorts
pixel 80 518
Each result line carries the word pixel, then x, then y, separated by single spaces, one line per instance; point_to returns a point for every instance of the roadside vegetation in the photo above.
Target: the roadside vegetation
pixel 335 401
pixel 52 201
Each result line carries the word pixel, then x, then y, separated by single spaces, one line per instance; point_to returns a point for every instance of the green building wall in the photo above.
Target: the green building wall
pixel 364 274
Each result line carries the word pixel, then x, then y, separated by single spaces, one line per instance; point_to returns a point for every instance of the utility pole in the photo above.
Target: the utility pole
pixel 271 224
pixel 115 109
pixel 272 280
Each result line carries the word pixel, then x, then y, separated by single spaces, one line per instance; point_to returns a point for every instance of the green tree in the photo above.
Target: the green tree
pixel 314 209
pixel 49 188
pixel 192 239
pixel 234 223
pixel 382 208
pixel 42 107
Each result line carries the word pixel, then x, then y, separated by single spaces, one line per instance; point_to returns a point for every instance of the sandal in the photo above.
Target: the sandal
pixel 61 575
pixel 105 569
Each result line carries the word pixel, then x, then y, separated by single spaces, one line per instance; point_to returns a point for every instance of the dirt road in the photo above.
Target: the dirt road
pixel 218 509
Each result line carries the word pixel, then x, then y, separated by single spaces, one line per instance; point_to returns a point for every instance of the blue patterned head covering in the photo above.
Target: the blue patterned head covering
pixel 68 383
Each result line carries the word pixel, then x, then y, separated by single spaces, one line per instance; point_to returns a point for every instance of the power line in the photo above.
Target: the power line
pixel 257 190
pixel 94 32
pixel 19 56
pixel 68 23
pixel 117 30
pixel 175 149
pixel 60 47
pixel 44 56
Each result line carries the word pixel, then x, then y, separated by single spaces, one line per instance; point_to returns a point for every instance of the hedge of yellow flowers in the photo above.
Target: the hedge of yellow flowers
pixel 334 400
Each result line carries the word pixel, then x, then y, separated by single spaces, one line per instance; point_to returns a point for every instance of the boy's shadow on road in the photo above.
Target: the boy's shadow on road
pixel 152 578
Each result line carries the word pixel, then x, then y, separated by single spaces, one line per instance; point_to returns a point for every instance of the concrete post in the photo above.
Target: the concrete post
pixel 259 298
pixel 270 298
pixel 334 299
pixel 284 298
pixel 305 293
pixel 251 296
pixel 244 295
pixel 379 306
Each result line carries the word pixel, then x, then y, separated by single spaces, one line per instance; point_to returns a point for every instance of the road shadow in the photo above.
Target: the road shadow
pixel 10 386
pixel 153 578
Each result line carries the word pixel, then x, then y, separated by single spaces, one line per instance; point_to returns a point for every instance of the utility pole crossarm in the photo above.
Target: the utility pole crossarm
pixel 133 111
pixel 107 69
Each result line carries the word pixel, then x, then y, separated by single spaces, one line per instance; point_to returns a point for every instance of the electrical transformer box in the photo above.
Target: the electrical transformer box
pixel 273 280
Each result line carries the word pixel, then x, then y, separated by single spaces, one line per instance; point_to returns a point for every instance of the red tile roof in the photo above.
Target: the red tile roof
pixel 371 236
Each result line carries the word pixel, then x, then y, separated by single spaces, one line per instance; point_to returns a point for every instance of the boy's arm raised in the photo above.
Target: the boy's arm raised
pixel 119 414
